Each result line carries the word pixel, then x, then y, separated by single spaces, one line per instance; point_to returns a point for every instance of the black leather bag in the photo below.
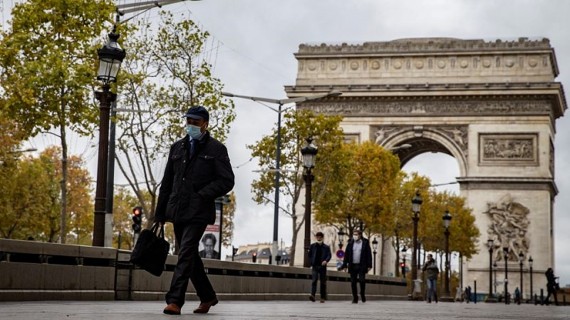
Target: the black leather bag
pixel 151 250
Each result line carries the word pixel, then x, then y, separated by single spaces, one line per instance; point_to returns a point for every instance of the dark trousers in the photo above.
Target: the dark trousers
pixel 553 293
pixel 357 274
pixel 189 267
pixel 319 272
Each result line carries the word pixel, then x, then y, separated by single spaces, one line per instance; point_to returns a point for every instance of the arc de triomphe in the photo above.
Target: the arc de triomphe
pixel 490 105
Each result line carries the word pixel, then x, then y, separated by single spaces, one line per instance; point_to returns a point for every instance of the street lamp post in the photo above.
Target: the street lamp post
pixel 530 261
pixel 495 271
pixel 309 153
pixel 490 246
pixel 506 256
pixel 340 237
pixel 521 260
pixel 279 110
pixel 446 222
pixel 374 250
pixel 416 205
pixel 110 58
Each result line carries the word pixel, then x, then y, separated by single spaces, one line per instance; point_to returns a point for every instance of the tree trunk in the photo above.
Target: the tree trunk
pixel 294 239
pixel 63 135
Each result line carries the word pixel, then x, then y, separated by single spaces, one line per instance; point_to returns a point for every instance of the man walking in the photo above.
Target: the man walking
pixel 319 256
pixel 358 258
pixel 197 172
pixel 432 272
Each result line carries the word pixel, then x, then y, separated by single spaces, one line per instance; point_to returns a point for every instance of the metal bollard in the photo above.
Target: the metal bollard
pixel 541 297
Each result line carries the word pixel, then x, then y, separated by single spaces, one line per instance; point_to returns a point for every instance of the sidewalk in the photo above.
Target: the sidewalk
pixel 274 310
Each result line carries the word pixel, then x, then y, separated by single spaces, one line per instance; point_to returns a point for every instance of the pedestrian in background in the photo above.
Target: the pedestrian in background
pixel 198 171
pixel 319 257
pixel 432 271
pixel 551 286
pixel 358 259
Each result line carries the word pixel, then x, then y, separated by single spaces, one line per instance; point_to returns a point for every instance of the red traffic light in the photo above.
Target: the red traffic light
pixel 402 264
pixel 137 211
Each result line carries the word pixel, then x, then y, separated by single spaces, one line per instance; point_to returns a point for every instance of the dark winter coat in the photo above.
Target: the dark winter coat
pixel 325 254
pixel 365 255
pixel 191 185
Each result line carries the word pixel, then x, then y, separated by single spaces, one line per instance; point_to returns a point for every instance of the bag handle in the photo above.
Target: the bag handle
pixel 156 231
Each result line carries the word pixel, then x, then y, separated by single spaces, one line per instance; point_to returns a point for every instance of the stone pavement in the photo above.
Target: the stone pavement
pixel 274 310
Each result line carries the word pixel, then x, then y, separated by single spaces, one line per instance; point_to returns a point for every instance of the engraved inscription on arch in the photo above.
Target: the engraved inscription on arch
pixel 513 149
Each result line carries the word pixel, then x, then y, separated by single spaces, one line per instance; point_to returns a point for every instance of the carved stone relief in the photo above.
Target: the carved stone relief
pixel 508 228
pixel 396 108
pixel 508 149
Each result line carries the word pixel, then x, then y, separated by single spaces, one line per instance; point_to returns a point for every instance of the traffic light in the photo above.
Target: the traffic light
pixel 137 219
pixel 254 257
pixel 403 266
pixel 234 250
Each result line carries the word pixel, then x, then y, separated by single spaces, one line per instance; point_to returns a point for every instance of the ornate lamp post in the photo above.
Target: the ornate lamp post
pixel 506 256
pixel 530 261
pixel 446 222
pixel 111 56
pixel 309 153
pixel 521 260
pixel 416 205
pixel 491 245
pixel 374 251
pixel 341 234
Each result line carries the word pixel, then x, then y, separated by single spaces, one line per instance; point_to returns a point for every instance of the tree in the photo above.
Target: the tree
pixel 47 62
pixel 298 125
pixel 30 203
pixel 358 187
pixel 164 74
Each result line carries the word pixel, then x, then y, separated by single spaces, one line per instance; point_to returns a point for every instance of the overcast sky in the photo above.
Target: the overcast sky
pixel 259 37
pixel 253 43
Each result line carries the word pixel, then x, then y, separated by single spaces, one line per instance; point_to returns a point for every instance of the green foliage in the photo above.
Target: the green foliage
pixel 48 59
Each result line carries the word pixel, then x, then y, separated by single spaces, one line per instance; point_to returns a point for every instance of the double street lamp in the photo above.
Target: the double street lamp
pixel 375 251
pixel 416 205
pixel 309 153
pixel 111 56
pixel 446 223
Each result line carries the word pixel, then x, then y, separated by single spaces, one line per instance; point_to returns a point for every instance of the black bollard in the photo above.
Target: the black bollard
pixel 541 297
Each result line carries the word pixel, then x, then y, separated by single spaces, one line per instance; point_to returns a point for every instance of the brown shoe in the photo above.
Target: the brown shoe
pixel 172 308
pixel 204 307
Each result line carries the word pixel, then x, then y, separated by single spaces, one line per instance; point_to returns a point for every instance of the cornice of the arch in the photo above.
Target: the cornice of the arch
pixel 456 105
pixel 452 138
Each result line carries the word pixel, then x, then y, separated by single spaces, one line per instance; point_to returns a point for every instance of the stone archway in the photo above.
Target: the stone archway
pixel 491 105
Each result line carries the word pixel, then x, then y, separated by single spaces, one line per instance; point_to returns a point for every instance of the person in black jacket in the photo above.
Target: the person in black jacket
pixel 551 286
pixel 358 258
pixel 197 172
pixel 319 257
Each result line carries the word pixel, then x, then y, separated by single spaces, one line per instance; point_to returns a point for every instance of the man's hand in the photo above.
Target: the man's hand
pixel 324 263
